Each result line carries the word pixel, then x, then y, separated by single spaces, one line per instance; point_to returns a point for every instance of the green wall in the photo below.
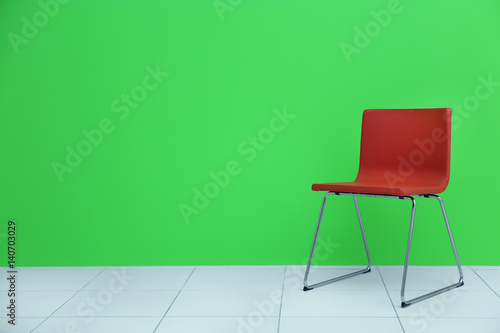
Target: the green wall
pixel 116 115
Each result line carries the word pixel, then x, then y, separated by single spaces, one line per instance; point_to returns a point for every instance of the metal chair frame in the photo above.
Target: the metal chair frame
pixel 404 302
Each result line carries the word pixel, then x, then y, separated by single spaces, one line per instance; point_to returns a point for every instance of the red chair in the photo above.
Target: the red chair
pixel 405 153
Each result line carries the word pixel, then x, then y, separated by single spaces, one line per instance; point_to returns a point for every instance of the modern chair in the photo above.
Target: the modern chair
pixel 405 153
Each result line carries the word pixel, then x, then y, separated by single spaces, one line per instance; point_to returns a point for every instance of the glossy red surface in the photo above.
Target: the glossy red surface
pixel 403 152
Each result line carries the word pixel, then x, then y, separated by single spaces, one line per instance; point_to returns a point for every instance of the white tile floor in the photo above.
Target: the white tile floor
pixel 248 299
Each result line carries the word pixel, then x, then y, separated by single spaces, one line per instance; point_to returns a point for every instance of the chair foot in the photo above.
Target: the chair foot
pixel 405 304
pixel 342 277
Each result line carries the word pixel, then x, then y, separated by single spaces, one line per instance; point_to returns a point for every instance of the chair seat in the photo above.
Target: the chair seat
pixel 381 187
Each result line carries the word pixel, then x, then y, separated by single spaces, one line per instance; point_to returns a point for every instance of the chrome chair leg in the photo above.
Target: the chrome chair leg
pixel 363 233
pixel 460 282
pixel 365 270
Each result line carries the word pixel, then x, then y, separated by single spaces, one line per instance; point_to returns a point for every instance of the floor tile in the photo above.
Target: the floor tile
pixel 244 267
pixel 22 325
pixel 224 303
pixel 136 278
pixel 336 324
pixel 368 281
pixel 72 268
pixel 37 304
pixel 105 303
pixel 415 267
pixel 248 278
pixel 336 303
pixel 99 325
pixel 247 299
pixel 491 277
pixel 189 268
pixel 51 279
pixel 431 278
pixel 249 324
pixel 455 303
pixel 302 268
pixel 455 325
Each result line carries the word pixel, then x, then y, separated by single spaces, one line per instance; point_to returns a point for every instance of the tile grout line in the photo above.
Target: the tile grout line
pixel 479 276
pixel 171 304
pixel 281 301
pixel 69 299
pixel 390 300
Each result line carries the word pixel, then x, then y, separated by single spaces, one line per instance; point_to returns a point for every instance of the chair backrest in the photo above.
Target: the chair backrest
pixel 406 147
